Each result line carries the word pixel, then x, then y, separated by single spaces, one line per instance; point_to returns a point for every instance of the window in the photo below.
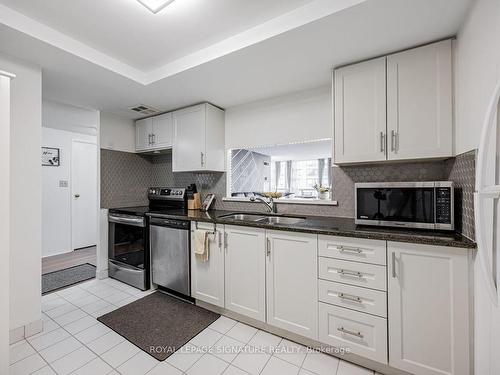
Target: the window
pixel 296 171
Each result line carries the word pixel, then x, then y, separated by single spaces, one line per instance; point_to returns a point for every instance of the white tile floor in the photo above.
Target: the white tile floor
pixel 74 342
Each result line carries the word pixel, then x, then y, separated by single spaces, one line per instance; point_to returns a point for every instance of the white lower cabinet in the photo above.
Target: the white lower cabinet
pixel 292 282
pixel 207 278
pixel 363 334
pixel 428 309
pixel 245 271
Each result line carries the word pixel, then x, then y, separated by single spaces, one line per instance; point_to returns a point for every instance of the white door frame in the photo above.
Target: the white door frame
pixel 72 192
pixel 5 220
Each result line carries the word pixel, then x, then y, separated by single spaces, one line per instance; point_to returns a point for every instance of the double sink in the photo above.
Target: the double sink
pixel 264 219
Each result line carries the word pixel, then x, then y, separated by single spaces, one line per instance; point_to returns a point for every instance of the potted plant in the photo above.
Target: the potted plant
pixel 323 191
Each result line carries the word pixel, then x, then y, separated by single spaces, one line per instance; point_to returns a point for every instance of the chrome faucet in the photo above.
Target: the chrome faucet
pixel 271 205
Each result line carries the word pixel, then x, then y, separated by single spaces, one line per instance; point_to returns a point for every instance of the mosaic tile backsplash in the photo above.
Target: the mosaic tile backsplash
pixel 125 178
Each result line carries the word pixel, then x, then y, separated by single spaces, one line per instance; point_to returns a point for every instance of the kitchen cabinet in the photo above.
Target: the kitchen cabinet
pixel 397 107
pixel 360 112
pixel 245 271
pixel 428 309
pixel 292 282
pixel 207 278
pixel 198 139
pixel 143 131
pixel 154 133
pixel 419 102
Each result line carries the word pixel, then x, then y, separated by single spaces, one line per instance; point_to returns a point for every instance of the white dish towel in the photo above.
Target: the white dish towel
pixel 202 244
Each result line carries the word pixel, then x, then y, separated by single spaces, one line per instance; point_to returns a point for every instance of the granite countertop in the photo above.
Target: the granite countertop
pixel 336 226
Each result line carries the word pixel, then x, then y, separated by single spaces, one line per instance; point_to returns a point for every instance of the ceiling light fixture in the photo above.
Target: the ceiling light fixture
pixel 155 5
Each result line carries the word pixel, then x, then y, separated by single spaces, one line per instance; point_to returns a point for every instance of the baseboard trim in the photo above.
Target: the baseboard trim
pixel 30 329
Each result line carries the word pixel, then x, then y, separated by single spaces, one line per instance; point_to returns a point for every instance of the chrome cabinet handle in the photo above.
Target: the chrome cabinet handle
pixel 225 241
pixel 149 139
pixel 382 142
pixel 351 273
pixel 268 247
pixel 393 264
pixel 352 333
pixel 153 138
pixel 347 249
pixel 394 140
pixel 202 159
pixel 220 239
pixel 349 297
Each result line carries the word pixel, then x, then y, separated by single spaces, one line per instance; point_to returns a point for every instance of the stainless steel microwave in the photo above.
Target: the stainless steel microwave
pixel 425 205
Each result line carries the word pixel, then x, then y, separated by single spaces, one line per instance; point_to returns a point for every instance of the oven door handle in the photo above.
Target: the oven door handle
pixel 137 222
pixel 125 266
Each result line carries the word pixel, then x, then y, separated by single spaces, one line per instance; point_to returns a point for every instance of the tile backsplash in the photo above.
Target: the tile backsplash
pixel 125 178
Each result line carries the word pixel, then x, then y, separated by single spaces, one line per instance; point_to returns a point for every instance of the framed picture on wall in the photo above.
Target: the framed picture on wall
pixel 50 157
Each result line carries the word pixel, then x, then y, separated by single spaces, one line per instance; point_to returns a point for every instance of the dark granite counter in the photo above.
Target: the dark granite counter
pixel 336 226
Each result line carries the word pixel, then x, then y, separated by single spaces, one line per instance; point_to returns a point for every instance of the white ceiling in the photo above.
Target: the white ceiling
pixel 290 52
pixel 127 31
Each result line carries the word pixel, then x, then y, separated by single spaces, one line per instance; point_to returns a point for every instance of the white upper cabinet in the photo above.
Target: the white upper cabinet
pixel 428 309
pixel 154 133
pixel 143 131
pixel 245 271
pixel 163 131
pixel 198 139
pixel 419 102
pixel 397 107
pixel 292 282
pixel 360 112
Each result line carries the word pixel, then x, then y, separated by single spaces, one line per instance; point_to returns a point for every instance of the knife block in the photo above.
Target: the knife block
pixel 195 203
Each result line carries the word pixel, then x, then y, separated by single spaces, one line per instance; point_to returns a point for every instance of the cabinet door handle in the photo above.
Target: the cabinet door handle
pixel 350 273
pixel 352 333
pixel 149 139
pixel 153 138
pixel 393 140
pixel 349 297
pixel 382 142
pixel 393 265
pixel 347 249
pixel 202 159
pixel 225 241
pixel 220 239
pixel 268 247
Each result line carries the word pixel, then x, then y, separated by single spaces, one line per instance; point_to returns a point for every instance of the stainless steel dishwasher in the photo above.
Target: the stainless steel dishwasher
pixel 170 254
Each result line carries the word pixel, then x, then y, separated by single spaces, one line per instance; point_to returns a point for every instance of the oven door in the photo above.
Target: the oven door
pixel 127 249
pixel 407 206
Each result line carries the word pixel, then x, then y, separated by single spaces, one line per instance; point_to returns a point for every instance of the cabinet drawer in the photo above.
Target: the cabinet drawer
pixel 363 334
pixel 359 250
pixel 353 297
pixel 353 273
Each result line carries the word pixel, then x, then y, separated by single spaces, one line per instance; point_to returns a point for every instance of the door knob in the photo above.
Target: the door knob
pixel 77 195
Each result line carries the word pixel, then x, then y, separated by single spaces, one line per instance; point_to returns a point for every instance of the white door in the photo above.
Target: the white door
pixel 207 278
pixel 84 194
pixel 163 131
pixel 428 309
pixel 189 139
pixel 360 112
pixel 419 102
pixel 143 134
pixel 292 282
pixel 245 265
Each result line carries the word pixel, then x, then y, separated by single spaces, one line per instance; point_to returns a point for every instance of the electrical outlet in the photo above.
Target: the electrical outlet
pixel 63 183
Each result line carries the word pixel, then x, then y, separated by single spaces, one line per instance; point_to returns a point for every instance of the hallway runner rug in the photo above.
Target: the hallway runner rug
pixel 60 279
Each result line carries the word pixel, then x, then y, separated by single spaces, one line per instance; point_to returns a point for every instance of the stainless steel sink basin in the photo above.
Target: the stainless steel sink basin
pixel 282 220
pixel 244 217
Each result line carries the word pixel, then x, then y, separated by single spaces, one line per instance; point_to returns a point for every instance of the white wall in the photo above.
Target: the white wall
pixel 25 194
pixel 69 118
pixel 56 200
pixel 298 117
pixel 477 71
pixel 117 133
